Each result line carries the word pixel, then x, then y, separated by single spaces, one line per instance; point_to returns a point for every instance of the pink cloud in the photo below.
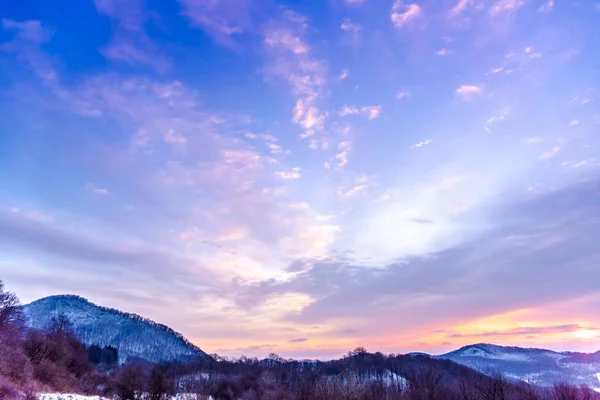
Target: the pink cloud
pixel 222 19
pixel 409 12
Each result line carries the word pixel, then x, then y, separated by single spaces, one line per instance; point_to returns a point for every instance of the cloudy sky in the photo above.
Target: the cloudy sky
pixel 304 177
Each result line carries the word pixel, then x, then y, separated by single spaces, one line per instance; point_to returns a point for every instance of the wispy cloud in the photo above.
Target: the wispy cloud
pixel 468 92
pixel 292 62
pixel 549 154
pixel 422 144
pixel 294 173
pixel 309 117
pixel 505 7
pixel 533 140
pixel 275 148
pixel 175 138
pixel 349 26
pixel 220 19
pixel 30 35
pixel 403 94
pixel 372 111
pixel 547 6
pixel 96 190
pixel 402 14
pixel 500 116
pixel 590 162
pixel 344 151
pixel 460 7
pixel 532 54
pixel 29 31
pixel 359 185
pixel 285 40
pixel 343 75
pixel 49 237
pixel 348 110
pixel 299 340
pixel 130 42
pixel 522 331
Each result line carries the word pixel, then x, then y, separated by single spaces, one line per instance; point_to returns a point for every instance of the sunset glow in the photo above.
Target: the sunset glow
pixel 585 334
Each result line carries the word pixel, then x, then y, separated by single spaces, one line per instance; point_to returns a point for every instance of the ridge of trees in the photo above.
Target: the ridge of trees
pixel 135 317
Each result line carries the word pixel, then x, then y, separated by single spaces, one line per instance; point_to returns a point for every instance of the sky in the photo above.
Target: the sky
pixel 305 177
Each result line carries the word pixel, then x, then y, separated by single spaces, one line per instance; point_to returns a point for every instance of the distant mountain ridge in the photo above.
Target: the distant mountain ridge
pixel 134 336
pixel 539 366
pixel 138 337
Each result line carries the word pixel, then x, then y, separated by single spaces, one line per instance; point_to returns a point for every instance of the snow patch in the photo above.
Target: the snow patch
pixel 190 396
pixel 64 396
pixel 67 396
pixel 499 355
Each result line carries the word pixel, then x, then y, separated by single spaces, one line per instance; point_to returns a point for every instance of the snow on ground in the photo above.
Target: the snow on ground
pixel 63 396
pixel 390 378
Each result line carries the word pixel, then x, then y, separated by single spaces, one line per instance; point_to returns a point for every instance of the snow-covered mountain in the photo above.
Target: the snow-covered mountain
pixel 132 335
pixel 539 366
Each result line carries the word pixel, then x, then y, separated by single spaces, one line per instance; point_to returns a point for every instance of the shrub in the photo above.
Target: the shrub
pixel 8 390
pixel 129 383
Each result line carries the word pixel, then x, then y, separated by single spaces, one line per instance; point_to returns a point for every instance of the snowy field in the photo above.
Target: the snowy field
pixel 62 396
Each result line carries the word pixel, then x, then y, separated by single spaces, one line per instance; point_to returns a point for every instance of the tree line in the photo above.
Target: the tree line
pixel 52 359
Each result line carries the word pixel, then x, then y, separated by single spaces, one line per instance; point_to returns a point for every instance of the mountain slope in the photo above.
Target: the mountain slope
pixel 539 366
pixel 132 335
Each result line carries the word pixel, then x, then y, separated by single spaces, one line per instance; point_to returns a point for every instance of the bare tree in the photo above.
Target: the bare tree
pixel 426 383
pixel 10 308
pixel 129 383
pixel 565 391
pixel 467 390
pixel 14 365
pixel 492 387
pixel 60 327
pixel 588 393
pixel 159 385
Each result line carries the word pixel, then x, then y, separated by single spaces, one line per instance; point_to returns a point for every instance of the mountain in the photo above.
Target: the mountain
pixel 539 366
pixel 132 335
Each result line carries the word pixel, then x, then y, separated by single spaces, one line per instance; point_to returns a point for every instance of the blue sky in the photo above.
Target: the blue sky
pixel 304 177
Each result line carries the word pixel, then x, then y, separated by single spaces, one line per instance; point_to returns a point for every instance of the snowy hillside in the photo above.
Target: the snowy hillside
pixel 132 335
pixel 539 366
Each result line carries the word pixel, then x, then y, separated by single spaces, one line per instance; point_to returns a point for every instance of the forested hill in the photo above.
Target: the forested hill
pixel 131 334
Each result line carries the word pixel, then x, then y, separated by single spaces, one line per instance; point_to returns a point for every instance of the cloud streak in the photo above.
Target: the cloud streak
pixel 292 62
pixel 468 92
